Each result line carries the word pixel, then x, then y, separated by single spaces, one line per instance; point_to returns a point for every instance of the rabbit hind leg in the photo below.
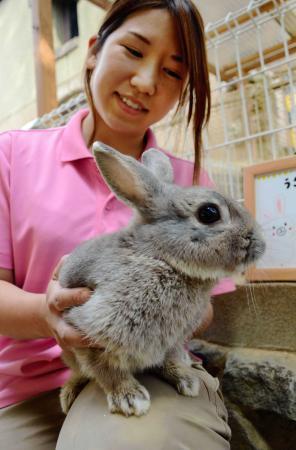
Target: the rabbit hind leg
pixel 71 389
pixel 75 384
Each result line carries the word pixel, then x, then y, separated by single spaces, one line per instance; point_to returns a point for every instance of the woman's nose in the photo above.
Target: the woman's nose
pixel 145 80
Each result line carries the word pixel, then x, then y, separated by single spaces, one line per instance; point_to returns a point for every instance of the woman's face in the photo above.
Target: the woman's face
pixel 138 74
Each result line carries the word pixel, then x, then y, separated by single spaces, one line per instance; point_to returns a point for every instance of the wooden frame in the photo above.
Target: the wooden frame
pixel 275 178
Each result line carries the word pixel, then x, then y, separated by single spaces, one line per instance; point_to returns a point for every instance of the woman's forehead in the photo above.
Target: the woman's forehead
pixel 152 26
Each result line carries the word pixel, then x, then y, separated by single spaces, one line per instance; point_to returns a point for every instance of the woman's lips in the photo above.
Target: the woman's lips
pixel 130 104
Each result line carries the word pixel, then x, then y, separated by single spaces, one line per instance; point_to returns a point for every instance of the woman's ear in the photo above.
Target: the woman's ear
pixel 91 57
pixel 92 40
pixel 91 62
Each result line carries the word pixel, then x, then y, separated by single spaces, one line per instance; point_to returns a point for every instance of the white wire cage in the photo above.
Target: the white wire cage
pixel 252 60
pixel 254 91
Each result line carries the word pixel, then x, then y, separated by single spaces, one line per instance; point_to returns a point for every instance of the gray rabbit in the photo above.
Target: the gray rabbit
pixel 151 281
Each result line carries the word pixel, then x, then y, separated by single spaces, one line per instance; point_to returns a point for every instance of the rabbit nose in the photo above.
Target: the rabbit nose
pixel 256 247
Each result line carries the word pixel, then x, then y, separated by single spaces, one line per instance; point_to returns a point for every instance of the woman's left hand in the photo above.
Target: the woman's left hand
pixel 57 300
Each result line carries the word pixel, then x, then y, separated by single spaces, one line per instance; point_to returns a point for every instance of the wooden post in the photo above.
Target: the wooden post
pixel 44 56
pixel 105 4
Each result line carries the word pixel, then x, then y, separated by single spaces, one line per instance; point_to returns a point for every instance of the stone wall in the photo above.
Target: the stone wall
pixel 251 347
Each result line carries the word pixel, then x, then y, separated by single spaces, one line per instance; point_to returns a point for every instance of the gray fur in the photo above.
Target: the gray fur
pixel 151 281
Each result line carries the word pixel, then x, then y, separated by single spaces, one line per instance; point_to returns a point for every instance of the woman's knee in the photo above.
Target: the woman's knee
pixel 174 422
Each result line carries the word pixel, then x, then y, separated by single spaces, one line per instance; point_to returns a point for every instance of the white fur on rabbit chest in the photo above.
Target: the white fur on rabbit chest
pixel 140 309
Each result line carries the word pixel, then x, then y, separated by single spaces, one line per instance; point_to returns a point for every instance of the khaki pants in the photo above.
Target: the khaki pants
pixel 174 422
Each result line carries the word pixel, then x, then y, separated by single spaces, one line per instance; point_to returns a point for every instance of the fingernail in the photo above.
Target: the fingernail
pixel 87 291
pixel 84 294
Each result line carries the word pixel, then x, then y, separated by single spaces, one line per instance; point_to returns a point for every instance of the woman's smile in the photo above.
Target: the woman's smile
pixel 130 105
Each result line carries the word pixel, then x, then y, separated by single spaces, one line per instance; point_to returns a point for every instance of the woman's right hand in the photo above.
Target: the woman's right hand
pixel 56 301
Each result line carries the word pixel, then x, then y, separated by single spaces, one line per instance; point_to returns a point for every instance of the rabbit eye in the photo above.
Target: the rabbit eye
pixel 208 213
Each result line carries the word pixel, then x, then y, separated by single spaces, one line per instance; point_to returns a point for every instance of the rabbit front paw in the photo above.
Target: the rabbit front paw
pixel 188 384
pixel 182 376
pixel 135 401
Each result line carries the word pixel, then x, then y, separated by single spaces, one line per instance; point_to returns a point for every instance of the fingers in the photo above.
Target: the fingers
pixel 62 298
pixel 67 337
pixel 59 299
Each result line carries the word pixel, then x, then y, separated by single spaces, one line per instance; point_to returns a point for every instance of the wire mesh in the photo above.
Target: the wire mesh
pixel 61 115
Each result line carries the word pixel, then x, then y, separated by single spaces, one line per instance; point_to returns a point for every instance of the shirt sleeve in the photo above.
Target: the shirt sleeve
pixel 6 260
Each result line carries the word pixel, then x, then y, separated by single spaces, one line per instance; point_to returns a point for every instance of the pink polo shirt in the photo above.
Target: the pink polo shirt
pixel 52 197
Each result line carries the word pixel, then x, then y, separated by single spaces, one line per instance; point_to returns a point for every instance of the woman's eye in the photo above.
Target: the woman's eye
pixel 133 52
pixel 173 74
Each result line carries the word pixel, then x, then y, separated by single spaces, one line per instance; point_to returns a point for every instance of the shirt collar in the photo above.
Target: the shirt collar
pixel 150 140
pixel 73 146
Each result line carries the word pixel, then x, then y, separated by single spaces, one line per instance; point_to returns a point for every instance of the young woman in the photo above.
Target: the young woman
pixel 148 57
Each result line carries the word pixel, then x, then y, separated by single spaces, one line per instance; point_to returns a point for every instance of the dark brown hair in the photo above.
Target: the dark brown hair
pixel 192 40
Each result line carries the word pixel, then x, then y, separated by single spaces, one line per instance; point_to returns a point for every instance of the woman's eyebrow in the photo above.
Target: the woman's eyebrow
pixel 139 36
pixel 177 58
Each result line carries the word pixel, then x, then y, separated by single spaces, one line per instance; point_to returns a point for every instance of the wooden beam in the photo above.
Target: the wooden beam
pixel 44 56
pixel 244 18
pixel 105 4
pixel 253 61
pixel 212 68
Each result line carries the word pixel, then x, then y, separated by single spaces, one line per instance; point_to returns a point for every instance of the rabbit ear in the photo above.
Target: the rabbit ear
pixel 127 178
pixel 159 164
